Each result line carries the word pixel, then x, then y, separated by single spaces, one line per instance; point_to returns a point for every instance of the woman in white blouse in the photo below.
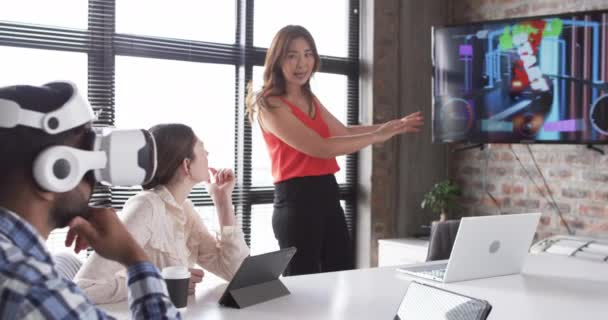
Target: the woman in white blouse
pixel 165 223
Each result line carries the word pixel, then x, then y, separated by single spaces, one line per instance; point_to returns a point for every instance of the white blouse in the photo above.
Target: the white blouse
pixel 170 234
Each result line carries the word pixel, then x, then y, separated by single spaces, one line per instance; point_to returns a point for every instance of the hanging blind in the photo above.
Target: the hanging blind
pixel 349 191
pixel 102 44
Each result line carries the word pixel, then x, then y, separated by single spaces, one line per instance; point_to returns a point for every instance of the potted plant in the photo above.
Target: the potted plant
pixel 442 197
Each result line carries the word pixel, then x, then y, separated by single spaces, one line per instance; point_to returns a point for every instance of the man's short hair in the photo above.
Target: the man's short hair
pixel 20 145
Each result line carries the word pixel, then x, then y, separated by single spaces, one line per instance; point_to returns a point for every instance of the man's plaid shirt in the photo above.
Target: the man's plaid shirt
pixel 31 288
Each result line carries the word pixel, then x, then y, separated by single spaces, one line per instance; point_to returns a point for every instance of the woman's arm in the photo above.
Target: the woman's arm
pixel 222 254
pixel 220 188
pixel 103 280
pixel 283 124
pixel 337 128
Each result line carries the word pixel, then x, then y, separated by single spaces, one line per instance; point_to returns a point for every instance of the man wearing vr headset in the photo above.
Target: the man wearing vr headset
pixel 50 159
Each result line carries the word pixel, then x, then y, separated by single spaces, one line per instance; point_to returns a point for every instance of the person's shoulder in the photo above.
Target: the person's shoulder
pixel 27 281
pixel 275 106
pixel 276 103
pixel 190 210
pixel 30 270
pixel 11 257
pixel 61 296
pixel 142 204
pixel 145 197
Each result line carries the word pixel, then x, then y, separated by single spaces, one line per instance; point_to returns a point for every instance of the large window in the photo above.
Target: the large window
pixel 36 67
pixel 202 20
pixel 148 62
pixel 201 95
pixel 327 21
pixel 58 13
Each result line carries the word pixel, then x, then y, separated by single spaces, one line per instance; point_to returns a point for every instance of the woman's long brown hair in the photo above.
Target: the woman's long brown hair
pixel 274 80
pixel 174 143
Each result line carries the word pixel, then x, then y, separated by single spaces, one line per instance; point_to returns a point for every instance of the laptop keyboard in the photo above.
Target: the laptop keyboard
pixel 433 274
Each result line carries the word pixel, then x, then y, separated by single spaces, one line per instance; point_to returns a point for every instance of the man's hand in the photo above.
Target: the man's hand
pixel 107 235
pixel 196 276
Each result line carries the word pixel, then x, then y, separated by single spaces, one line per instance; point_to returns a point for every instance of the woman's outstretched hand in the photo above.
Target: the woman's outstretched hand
pixel 409 123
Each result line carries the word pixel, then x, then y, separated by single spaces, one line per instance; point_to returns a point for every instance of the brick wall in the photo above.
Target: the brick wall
pixel 385 98
pixel 577 176
pixel 473 10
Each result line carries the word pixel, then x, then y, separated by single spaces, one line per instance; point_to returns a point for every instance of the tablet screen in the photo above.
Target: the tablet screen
pixel 422 301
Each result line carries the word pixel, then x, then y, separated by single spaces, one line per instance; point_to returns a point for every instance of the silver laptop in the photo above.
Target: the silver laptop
pixel 486 246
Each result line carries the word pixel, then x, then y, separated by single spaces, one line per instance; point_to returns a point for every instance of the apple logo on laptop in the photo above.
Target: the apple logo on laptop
pixel 494 246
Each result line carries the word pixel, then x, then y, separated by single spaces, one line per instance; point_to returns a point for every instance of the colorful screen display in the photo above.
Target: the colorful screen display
pixel 533 80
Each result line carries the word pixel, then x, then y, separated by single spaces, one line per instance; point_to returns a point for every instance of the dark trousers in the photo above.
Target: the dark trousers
pixel 307 215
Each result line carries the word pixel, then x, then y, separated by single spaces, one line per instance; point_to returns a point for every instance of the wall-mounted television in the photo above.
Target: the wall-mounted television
pixel 537 79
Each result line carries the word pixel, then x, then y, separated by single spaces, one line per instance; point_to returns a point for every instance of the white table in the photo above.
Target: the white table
pixel 400 251
pixel 376 293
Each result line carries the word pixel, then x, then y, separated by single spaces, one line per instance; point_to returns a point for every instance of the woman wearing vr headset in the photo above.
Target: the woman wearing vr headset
pixel 166 224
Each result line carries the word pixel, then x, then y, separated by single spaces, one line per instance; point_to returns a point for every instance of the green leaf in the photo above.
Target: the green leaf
pixel 442 197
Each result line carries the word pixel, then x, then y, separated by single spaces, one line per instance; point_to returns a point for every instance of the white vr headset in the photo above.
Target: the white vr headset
pixel 116 157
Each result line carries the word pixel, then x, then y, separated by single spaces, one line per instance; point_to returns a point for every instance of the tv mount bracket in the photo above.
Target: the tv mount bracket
pixel 596 149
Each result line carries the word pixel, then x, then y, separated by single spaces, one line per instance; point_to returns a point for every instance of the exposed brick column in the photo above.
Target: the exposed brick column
pixel 385 103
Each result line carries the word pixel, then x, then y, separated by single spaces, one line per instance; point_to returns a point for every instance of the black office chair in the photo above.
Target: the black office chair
pixel 441 241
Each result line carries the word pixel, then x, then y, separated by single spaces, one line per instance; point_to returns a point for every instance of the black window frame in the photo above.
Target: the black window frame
pixel 102 44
